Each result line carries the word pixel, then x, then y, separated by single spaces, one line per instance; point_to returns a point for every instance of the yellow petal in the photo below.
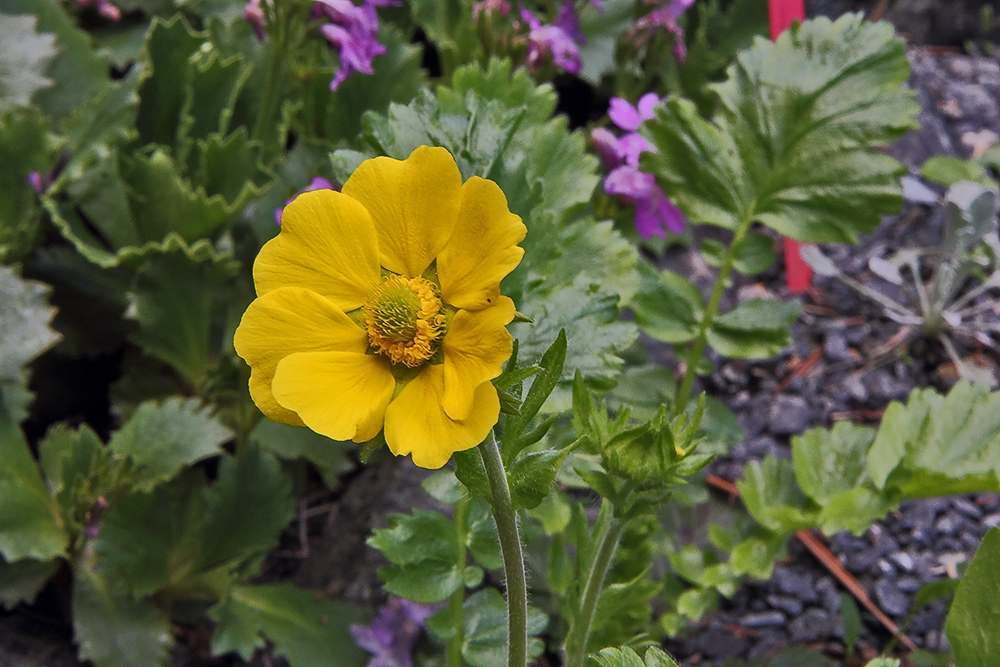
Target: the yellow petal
pixel 416 424
pixel 342 395
pixel 414 203
pixel 327 244
pixel 475 348
pixel 483 248
pixel 285 321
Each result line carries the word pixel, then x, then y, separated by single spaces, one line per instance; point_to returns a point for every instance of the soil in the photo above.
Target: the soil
pixel 856 370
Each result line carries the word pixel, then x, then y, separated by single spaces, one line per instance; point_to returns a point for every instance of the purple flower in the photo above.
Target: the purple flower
pixel 391 636
pixel 353 30
pixel 653 211
pixel 664 17
pixel 317 183
pixel 558 39
pixel 254 15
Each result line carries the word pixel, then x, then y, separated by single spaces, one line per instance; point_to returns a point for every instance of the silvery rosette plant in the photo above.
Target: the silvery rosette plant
pixel 273 241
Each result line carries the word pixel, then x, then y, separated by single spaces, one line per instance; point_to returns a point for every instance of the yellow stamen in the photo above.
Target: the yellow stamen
pixel 404 319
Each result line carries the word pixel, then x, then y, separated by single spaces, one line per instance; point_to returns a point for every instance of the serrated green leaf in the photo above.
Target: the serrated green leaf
pixel 484 624
pixel 470 471
pixel 773 498
pixel 788 144
pixel 669 309
pixel 165 437
pixel 167 71
pixel 755 329
pixel 532 474
pixel 113 629
pixel 24 56
pixel 246 509
pixel 78 470
pixel 427 581
pixel 78 70
pixel 24 323
pixel 411 538
pixel 937 445
pixel 30 525
pixel 975 612
pixel 305 629
pixel 827 462
pixel 626 657
pixel 948 170
pixel 176 300
pixel 754 254
pixel 756 556
pixel 482 539
pixel 21 580
pixel 24 134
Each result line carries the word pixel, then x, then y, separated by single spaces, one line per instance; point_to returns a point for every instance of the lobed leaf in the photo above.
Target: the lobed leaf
pixel 788 146
pixel 975 612
pixel 307 630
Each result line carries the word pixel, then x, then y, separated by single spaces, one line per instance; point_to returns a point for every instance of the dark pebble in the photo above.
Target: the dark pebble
pixel 789 605
pixel 909 584
pixel 967 508
pixel 814 624
pixel 829 594
pixel 948 524
pixel 903 561
pixel 798 585
pixel 861 562
pixel 789 415
pixel 835 347
pixel 718 644
pixel 763 619
pixel 890 598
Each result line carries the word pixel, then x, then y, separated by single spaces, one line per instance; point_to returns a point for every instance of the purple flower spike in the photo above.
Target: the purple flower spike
pixel 555 39
pixel 317 183
pixel 353 30
pixel 393 633
pixel 37 182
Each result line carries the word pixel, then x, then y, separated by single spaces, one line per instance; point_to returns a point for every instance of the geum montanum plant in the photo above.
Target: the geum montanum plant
pixel 379 309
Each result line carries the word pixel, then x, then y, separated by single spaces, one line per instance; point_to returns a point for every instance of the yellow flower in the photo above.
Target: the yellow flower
pixel 380 307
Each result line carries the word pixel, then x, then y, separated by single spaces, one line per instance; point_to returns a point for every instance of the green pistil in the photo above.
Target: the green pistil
pixel 396 312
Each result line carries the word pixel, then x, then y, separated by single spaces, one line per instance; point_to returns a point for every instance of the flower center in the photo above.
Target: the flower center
pixel 405 319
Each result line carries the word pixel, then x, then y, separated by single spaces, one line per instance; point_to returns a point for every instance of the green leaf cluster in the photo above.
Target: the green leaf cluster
pixel 788 146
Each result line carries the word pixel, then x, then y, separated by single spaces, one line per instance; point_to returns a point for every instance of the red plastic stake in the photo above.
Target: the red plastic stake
pixel 781 13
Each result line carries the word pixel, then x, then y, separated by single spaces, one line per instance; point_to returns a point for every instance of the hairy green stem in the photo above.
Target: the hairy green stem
pixel 457 598
pixel 510 549
pixel 711 310
pixel 608 533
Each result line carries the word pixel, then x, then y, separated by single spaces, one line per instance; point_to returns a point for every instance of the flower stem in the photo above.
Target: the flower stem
pixel 458 597
pixel 711 309
pixel 510 549
pixel 607 533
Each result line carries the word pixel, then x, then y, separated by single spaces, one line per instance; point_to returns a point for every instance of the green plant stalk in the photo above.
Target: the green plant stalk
pixel 711 310
pixel 510 549
pixel 609 534
pixel 278 31
pixel 454 652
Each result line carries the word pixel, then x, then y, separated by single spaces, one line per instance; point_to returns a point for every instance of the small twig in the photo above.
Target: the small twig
pixel 801 370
